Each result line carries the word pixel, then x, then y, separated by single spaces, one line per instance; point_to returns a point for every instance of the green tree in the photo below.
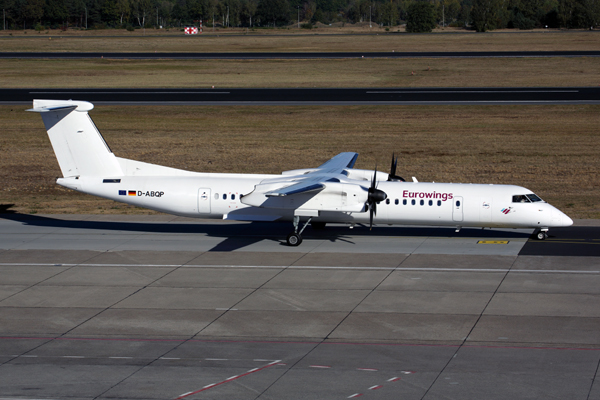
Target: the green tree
pixel 56 11
pixel 274 11
pixel 248 11
pixel 487 14
pixel 448 11
pixel 420 17
pixel 141 10
pixel 586 14
pixel 110 11
pixel 33 10
pixel 566 9
pixel 388 13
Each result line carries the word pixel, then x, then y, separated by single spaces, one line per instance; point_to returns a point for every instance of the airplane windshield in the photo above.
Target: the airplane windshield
pixel 520 198
pixel 534 198
pixel 526 198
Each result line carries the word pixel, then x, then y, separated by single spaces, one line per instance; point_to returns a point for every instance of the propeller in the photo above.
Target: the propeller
pixel 375 195
pixel 393 177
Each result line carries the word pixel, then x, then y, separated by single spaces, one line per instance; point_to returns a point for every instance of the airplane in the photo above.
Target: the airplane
pixel 333 192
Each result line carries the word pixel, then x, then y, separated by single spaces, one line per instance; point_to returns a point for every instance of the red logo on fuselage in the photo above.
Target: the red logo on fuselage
pixel 427 195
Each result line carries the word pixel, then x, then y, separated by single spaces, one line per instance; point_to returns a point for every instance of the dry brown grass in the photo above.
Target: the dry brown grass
pixel 295 40
pixel 300 73
pixel 552 150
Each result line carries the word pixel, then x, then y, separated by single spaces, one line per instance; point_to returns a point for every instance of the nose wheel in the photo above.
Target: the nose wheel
pixel 542 234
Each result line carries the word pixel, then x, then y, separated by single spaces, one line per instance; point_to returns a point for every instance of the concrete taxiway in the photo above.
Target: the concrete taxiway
pixel 161 307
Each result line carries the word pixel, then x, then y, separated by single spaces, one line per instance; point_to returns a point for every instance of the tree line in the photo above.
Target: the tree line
pixel 419 15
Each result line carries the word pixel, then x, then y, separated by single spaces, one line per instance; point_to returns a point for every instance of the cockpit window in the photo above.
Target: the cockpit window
pixel 526 198
pixel 520 198
pixel 534 198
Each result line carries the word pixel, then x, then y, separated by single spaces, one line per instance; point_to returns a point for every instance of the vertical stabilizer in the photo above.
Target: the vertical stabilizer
pixel 77 143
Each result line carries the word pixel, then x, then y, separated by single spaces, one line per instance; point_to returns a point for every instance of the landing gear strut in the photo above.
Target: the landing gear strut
pixel 542 234
pixel 295 238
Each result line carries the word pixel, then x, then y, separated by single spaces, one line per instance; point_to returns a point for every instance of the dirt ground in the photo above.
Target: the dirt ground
pixel 351 73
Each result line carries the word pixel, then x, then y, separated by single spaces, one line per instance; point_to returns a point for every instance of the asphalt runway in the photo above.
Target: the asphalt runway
pixel 162 307
pixel 375 96
pixel 295 55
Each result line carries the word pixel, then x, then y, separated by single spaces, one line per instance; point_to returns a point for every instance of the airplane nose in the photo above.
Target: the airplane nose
pixel 566 221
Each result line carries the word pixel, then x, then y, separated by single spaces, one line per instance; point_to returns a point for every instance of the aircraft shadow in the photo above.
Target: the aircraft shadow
pixel 238 235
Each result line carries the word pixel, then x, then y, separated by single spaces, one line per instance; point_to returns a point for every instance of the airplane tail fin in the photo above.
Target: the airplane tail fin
pixel 77 143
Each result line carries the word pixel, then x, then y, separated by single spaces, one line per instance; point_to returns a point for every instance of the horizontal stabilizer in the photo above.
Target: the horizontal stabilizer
pixel 48 109
pixel 56 105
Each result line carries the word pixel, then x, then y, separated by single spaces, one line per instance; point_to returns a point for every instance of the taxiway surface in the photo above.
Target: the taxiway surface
pixel 161 307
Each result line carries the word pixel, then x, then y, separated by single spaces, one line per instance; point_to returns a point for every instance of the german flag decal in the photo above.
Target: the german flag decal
pixel 131 193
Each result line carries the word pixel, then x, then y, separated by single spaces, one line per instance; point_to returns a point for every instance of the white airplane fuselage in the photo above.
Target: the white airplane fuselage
pixel 213 195
pixel 331 192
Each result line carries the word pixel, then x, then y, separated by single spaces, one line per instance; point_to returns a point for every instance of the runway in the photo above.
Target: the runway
pixel 162 307
pixel 295 55
pixel 373 96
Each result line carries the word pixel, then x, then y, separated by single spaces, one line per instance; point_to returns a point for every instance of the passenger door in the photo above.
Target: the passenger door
pixel 203 201
pixel 457 209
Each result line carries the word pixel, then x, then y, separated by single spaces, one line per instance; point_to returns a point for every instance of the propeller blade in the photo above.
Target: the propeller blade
pixel 393 177
pixel 374 196
pixel 394 165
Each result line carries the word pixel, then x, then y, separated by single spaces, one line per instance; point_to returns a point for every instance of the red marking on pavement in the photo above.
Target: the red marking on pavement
pixel 375 387
pixel 233 378
pixel 355 395
pixel 393 379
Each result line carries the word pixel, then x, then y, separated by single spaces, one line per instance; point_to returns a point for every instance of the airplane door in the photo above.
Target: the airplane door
pixel 204 201
pixel 457 209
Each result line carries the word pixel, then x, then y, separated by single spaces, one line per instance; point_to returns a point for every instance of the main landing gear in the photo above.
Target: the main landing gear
pixel 542 234
pixel 295 238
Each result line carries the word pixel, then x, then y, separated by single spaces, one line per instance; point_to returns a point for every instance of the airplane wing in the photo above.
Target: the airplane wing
pixel 300 187
pixel 341 162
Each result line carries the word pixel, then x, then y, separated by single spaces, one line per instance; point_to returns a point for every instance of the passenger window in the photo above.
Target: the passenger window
pixel 233 197
pixel 430 202
pixel 387 201
pixel 396 201
pixel 457 203
pixel 404 202
pixel 422 202
pixel 413 202
pixel 224 196
pixel 216 196
pixel 439 202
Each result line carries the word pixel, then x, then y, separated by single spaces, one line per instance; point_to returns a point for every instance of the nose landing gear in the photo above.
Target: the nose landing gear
pixel 542 234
